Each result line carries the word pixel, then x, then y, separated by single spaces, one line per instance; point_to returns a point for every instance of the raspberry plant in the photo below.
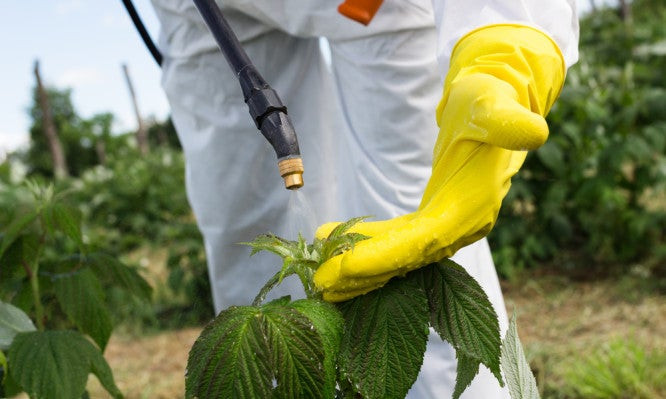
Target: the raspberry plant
pixel 54 322
pixel 371 346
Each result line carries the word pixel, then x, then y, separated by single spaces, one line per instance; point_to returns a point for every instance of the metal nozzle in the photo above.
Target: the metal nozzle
pixel 291 171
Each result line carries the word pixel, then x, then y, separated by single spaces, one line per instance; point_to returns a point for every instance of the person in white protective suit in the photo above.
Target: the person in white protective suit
pixel 367 122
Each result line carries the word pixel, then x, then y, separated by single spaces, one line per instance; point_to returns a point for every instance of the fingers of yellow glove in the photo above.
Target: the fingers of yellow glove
pixel 328 273
pixel 397 251
pixel 521 55
pixel 329 277
pixel 335 296
pixel 508 124
pixel 483 108
pixel 369 229
pixel 340 296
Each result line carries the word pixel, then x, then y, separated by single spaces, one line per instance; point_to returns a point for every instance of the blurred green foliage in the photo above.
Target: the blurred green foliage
pixel 75 134
pixel 49 274
pixel 595 194
pixel 130 203
pixel 136 201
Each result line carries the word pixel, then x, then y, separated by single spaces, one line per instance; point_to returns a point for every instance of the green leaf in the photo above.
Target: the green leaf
pixel 82 299
pixel 12 321
pixel 56 364
pixel 335 246
pixel 328 322
pixel 468 368
pixel 272 243
pixel 339 241
pixel 228 355
pixel 23 251
pixel 551 155
pixel 15 228
pixel 66 219
pixel 462 314
pixel 257 352
pixel 386 331
pixel 342 228
pixel 109 270
pixel 297 352
pixel 519 377
pixel 297 258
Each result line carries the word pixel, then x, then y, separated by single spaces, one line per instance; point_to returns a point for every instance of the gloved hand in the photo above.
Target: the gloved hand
pixel 502 81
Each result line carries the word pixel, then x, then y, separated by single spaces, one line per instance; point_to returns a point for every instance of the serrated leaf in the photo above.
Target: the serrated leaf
pixel 245 349
pixel 56 364
pixel 339 240
pixel 15 228
pixel 335 246
pixel 467 369
pixel 342 228
pixel 461 313
pixel 112 271
pixel 12 321
pixel 517 371
pixel 385 338
pixel 328 322
pixel 82 299
pixel 297 353
pixel 274 244
pixel 228 355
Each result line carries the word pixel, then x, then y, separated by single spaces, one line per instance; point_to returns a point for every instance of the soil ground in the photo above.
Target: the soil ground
pixel 559 320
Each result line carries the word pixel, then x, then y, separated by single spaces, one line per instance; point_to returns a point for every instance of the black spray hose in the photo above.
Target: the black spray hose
pixel 138 24
pixel 265 106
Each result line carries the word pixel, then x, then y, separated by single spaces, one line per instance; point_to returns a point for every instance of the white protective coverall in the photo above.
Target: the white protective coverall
pixel 365 121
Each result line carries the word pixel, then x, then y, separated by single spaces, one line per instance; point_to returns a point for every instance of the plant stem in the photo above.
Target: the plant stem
pixel 36 297
pixel 270 284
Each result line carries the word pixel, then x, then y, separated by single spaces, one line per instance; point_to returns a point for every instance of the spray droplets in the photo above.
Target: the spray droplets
pixel 300 216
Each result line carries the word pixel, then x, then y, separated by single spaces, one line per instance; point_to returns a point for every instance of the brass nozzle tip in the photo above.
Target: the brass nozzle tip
pixel 291 171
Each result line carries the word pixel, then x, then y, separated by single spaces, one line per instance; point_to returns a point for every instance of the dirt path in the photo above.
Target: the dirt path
pixel 148 367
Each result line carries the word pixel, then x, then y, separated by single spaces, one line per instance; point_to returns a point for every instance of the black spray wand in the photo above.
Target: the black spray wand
pixel 266 108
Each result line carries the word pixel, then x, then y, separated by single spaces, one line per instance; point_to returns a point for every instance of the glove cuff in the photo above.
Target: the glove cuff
pixel 523 56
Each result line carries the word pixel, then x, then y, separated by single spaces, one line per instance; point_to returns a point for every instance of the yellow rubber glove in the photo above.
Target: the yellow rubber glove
pixel 502 81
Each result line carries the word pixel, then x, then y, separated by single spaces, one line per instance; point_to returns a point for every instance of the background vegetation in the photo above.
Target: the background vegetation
pixel 594 196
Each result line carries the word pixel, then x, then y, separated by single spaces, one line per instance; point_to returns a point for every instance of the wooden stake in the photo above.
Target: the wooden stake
pixel 60 170
pixel 141 133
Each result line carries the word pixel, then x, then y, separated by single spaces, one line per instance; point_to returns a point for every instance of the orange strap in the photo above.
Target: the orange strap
pixel 360 10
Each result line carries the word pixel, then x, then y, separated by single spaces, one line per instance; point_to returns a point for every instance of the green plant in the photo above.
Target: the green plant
pixel 595 193
pixel 188 274
pixel 371 346
pixel 618 369
pixel 132 197
pixel 137 202
pixel 52 295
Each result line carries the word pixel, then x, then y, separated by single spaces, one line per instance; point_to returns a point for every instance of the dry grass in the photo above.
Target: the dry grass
pixel 148 367
pixel 558 321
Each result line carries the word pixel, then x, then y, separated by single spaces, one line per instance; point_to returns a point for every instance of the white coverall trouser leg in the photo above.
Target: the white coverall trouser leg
pixel 366 129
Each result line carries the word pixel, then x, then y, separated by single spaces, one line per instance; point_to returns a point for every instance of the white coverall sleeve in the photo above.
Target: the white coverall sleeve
pixel 557 18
